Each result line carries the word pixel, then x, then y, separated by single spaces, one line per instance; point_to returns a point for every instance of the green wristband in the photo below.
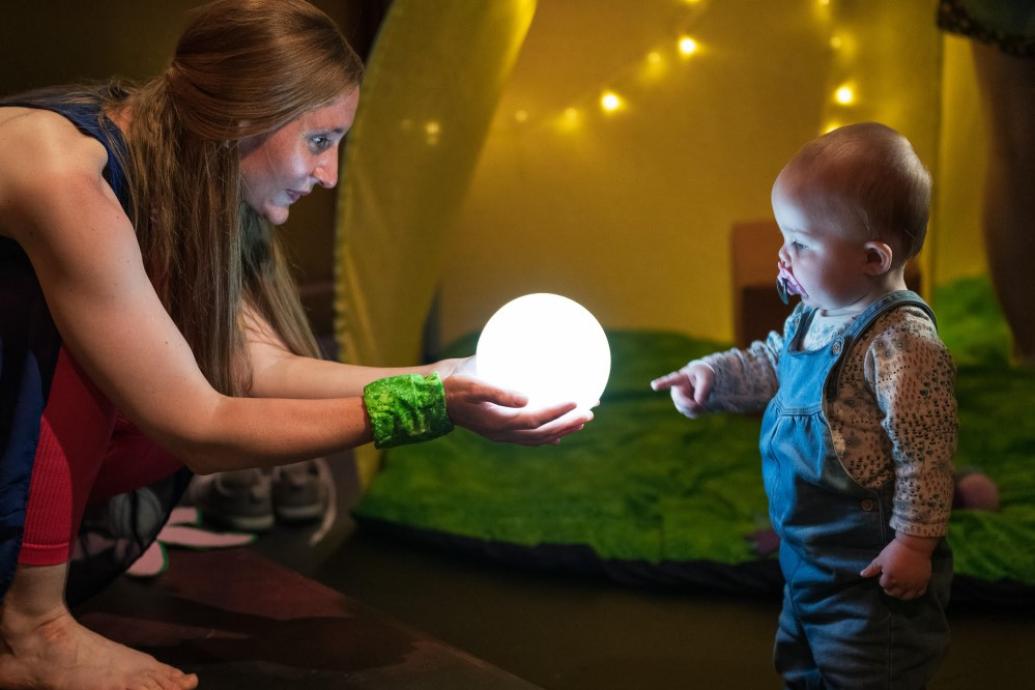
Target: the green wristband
pixel 406 409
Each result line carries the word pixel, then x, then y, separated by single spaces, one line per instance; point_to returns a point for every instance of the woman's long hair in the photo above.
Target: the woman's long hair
pixel 241 68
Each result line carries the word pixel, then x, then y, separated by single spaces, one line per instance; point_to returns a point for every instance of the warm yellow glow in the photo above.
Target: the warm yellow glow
pixel 845 94
pixel 836 42
pixel 687 46
pixel 831 126
pixel 521 116
pixel 610 101
pixel 431 131
pixel 569 119
pixel 823 2
pixel 653 66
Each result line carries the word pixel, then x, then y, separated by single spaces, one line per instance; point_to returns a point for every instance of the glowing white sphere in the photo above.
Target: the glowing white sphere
pixel 547 347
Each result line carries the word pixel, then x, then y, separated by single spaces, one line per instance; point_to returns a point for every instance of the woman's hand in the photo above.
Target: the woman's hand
pixel 690 388
pixel 499 415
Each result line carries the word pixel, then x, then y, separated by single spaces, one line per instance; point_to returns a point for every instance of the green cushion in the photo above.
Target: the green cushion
pixel 643 484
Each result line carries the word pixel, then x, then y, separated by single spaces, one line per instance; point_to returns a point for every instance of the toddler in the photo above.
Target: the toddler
pixel 859 427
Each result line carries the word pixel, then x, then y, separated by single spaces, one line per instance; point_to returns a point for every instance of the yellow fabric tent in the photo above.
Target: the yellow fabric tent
pixel 431 87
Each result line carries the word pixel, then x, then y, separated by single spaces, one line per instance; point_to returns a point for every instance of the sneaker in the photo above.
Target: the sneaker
pixel 299 492
pixel 240 500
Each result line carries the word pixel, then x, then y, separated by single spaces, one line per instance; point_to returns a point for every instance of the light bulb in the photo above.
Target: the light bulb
pixel 547 347
pixel 687 46
pixel 610 101
pixel 845 94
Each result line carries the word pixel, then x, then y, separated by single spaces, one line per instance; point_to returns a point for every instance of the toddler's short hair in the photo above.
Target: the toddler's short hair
pixel 872 172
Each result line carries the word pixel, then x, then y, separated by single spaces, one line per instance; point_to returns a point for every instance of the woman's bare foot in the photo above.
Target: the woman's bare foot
pixel 61 654
pixel 42 647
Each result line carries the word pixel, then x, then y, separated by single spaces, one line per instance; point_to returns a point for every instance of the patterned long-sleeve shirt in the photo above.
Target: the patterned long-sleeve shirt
pixel 894 416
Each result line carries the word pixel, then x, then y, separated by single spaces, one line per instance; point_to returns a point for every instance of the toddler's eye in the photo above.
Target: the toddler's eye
pixel 795 244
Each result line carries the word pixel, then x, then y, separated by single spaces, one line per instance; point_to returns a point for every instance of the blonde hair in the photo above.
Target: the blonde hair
pixel 241 68
pixel 869 172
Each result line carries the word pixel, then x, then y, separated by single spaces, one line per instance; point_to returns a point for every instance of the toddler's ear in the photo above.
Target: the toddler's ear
pixel 879 256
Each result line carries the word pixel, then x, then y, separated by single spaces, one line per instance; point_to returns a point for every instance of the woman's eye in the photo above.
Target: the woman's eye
pixel 319 143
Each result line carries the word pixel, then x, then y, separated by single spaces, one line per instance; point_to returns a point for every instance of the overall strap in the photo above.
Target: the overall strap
pixel 794 342
pixel 862 323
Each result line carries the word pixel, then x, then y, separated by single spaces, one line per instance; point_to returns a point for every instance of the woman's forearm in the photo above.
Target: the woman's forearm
pixel 293 376
pixel 263 432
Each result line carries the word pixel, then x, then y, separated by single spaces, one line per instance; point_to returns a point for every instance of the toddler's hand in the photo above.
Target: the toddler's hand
pixel 690 388
pixel 904 566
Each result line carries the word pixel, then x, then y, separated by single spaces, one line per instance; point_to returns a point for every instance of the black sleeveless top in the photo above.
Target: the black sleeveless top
pixel 112 536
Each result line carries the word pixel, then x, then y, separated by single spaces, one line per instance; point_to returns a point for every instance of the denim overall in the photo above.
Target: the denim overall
pixel 837 629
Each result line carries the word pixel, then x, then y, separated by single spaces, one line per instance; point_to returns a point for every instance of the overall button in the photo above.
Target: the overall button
pixel 838 345
pixel 868 504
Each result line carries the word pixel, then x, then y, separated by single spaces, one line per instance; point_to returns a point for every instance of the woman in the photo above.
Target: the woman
pixel 1003 46
pixel 148 322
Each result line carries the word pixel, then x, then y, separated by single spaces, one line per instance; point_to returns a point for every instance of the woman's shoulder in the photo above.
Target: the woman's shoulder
pixel 33 137
pixel 41 150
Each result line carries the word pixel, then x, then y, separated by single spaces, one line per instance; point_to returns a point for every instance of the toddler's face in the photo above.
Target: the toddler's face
pixel 826 262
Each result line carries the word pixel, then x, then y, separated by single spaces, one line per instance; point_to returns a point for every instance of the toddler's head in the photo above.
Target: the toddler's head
pixel 852 206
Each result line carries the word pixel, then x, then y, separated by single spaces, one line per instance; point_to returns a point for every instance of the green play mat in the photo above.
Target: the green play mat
pixel 648 497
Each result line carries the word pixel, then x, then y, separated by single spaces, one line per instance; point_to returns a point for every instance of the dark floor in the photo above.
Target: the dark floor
pixel 342 608
pixel 564 633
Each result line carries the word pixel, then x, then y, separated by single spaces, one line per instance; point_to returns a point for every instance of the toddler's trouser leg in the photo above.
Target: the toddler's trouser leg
pixel 791 653
pixel 863 639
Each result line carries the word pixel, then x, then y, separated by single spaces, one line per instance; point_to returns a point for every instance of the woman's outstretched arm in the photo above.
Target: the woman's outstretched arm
pixel 55 203
pixel 487 410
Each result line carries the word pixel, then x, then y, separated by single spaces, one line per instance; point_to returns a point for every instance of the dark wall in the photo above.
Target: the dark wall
pixel 49 42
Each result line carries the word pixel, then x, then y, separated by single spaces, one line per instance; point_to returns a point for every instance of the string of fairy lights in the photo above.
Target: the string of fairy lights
pixel 682 47
pixel 844 88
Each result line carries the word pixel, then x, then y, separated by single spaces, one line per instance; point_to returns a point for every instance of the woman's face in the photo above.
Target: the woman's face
pixel 278 168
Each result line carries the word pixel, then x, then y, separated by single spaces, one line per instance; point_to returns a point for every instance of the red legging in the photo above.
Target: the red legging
pixel 87 452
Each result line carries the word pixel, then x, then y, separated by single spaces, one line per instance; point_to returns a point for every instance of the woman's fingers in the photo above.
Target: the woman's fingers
pixel 502 415
pixel 551 431
pixel 475 390
pixel 539 417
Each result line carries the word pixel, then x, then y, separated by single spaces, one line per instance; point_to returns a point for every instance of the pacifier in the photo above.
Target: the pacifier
pixel 787 284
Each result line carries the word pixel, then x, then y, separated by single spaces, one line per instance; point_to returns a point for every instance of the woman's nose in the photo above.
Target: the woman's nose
pixel 326 171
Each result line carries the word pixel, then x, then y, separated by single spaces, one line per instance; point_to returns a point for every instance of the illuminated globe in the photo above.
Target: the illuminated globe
pixel 547 347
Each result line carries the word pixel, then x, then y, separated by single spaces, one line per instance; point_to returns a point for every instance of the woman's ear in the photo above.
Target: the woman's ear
pixel 879 257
